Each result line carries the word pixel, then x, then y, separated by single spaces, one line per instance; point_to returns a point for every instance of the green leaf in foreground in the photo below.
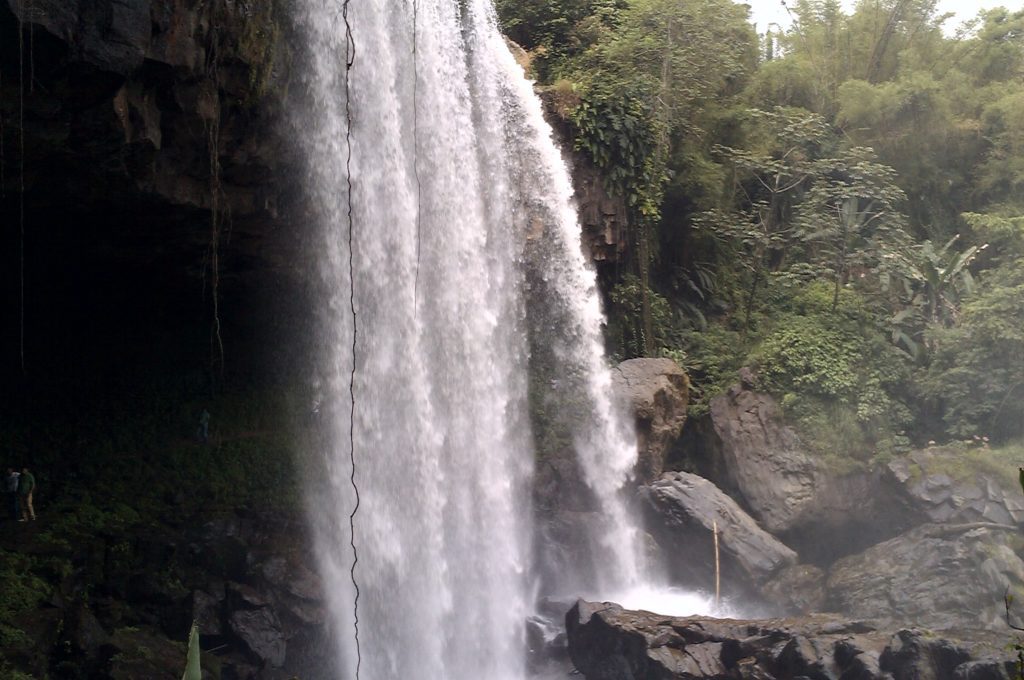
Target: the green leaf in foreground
pixel 192 669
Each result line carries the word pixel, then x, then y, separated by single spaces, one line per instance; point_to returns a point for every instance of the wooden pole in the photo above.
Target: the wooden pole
pixel 718 573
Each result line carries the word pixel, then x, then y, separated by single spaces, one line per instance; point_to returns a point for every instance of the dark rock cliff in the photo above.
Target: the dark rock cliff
pixel 146 181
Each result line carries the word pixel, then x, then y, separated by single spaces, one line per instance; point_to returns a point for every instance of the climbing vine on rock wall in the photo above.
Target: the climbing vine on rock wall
pixel 618 133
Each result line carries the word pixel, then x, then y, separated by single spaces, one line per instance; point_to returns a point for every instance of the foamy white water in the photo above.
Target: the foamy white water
pixel 674 602
pixel 451 166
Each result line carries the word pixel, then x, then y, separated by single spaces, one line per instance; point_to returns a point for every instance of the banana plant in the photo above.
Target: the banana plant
pixel 943 277
pixel 933 281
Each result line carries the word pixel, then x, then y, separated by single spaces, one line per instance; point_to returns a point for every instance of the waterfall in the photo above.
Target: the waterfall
pixel 460 212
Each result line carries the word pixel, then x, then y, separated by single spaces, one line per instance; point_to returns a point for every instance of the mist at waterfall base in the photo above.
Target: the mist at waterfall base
pixel 458 247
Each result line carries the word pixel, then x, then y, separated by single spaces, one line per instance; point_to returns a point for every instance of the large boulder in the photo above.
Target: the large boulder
pixel 658 392
pixel 939 576
pixel 942 486
pixel 607 642
pixel 747 449
pixel 682 511
pixel 762 458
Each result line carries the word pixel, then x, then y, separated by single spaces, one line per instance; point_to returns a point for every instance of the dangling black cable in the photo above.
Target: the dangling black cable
pixel 350 55
pixel 416 151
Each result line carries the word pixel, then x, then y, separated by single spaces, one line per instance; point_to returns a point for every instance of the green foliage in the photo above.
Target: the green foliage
pixel 711 357
pixel 22 591
pixel 838 377
pixel 617 131
pixel 788 83
pixel 556 29
pixel 912 126
pixel 626 325
pixel 977 374
pixel 9 673
pixel 974 457
pixel 934 281
pixel 803 209
pixel 806 357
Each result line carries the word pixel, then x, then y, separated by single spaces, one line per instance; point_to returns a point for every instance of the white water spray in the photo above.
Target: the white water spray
pixel 452 167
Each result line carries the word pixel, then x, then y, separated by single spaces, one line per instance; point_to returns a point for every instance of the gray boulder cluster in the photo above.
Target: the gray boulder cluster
pixel 904 543
pixel 906 546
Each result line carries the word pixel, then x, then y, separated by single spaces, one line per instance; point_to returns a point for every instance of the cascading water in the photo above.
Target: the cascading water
pixel 459 204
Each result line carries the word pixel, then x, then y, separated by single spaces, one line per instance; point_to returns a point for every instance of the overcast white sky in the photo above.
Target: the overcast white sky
pixel 764 12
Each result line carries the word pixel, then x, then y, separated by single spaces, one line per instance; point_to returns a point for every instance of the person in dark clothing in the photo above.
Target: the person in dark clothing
pixel 11 491
pixel 26 487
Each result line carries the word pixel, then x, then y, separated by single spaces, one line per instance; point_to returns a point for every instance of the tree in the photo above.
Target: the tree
pixel 663 60
pixel 850 218
pixel 770 180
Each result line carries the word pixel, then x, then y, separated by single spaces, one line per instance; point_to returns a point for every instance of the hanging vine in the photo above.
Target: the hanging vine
pixel 21 195
pixel 212 128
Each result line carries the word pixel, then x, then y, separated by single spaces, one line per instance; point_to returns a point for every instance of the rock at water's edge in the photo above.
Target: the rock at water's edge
pixel 658 393
pixel 681 510
pixel 607 642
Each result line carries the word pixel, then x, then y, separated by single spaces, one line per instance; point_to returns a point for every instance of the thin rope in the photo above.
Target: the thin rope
pixel 31 49
pixel 350 56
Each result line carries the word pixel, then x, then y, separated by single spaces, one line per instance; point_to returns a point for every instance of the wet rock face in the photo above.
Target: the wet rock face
pixel 604 217
pixel 937 576
pixel 260 630
pixel 657 392
pixel 607 642
pixel 114 36
pixel 682 510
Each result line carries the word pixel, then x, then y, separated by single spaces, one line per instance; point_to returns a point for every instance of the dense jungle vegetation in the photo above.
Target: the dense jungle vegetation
pixel 837 205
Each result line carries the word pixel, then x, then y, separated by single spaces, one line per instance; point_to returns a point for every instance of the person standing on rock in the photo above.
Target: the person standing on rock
pixel 26 487
pixel 11 490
